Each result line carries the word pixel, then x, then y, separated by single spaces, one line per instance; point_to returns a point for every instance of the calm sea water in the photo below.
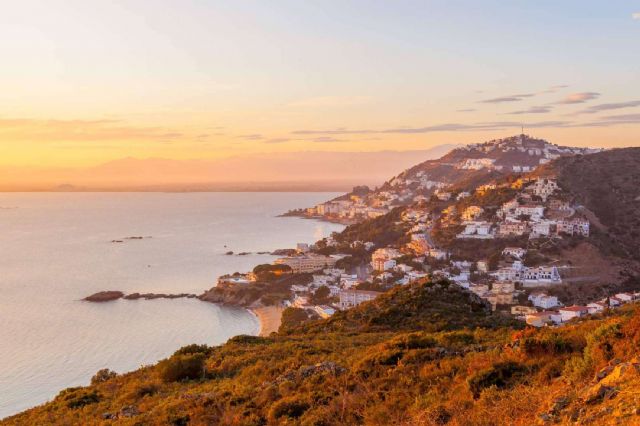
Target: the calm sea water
pixel 56 249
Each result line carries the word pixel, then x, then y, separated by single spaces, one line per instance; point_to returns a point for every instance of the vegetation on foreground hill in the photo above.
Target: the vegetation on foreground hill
pixel 424 354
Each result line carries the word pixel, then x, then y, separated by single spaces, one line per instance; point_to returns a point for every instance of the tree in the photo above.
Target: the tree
pixel 321 295
pixel 102 376
pixel 182 367
pixel 268 272
pixel 292 317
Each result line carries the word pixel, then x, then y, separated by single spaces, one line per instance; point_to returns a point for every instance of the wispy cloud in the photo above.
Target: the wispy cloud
pixel 446 127
pixel 554 89
pixel 636 15
pixel 251 137
pixel 615 120
pixel 578 98
pixel 277 140
pixel 338 131
pixel 532 110
pixel 331 101
pixel 21 129
pixel 502 100
pixel 327 139
pixel 608 107
pixel 466 110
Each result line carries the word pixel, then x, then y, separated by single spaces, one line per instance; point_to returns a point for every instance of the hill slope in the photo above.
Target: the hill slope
pixel 326 374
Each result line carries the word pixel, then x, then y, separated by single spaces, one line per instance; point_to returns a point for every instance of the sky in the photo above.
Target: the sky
pixel 85 82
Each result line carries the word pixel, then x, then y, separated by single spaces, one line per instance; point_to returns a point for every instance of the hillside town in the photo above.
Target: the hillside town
pixel 518 154
pixel 532 211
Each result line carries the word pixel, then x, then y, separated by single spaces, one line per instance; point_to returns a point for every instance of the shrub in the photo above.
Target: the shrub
pixel 140 390
pixel 288 408
pixel 248 340
pixel 182 367
pixel 411 341
pixel 193 349
pixel 551 344
pixel 501 375
pixel 78 397
pixel 293 317
pixel 102 376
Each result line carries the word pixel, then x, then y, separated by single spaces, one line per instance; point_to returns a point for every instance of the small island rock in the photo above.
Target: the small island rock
pixel 104 296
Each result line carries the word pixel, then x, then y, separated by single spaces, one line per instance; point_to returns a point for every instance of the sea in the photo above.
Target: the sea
pixel 57 248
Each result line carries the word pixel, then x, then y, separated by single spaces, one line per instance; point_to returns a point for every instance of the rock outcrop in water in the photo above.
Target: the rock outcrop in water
pixel 150 296
pixel 104 296
pixel 107 296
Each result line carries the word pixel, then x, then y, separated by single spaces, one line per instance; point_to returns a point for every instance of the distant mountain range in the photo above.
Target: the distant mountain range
pixel 289 171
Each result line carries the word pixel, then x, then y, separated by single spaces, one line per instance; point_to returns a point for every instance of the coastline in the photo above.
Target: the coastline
pixel 269 319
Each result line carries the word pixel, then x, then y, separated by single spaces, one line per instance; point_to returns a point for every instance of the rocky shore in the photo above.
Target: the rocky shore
pixel 269 317
pixel 107 296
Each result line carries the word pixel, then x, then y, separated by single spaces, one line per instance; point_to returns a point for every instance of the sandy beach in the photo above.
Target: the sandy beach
pixel 269 317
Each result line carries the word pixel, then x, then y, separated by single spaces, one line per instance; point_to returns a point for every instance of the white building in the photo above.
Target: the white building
pixel 517 252
pixel 541 275
pixel 479 230
pixel 383 258
pixel 543 300
pixel 573 227
pixel 306 263
pixel 320 280
pixel 596 307
pixel 477 163
pixel 542 228
pixel 531 210
pixel 571 312
pixel 625 297
pixel 544 188
pixel 351 298
pixel 348 281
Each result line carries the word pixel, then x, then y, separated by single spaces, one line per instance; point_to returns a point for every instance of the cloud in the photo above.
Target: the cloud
pixel 446 127
pixel 326 139
pixel 578 98
pixel 623 117
pixel 555 88
pixel 466 110
pixel 331 101
pixel 251 137
pixel 338 131
pixel 43 130
pixel 636 15
pixel 615 120
pixel 277 140
pixel 510 98
pixel 532 110
pixel 502 100
pixel 608 107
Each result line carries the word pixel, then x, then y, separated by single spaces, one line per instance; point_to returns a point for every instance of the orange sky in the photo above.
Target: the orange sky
pixel 83 84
